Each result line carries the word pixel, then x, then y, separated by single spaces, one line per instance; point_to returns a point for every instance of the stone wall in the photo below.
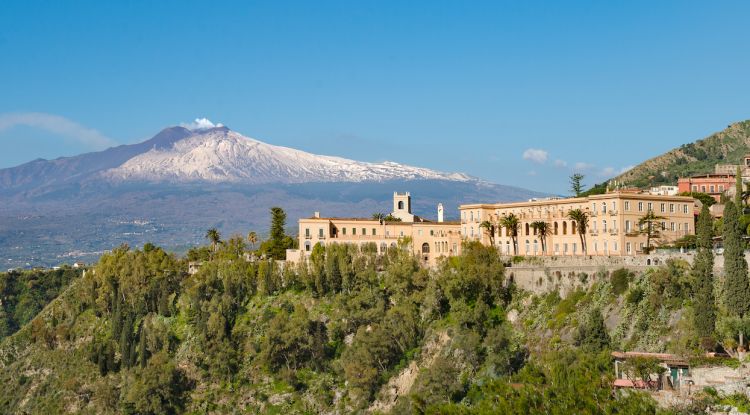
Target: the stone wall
pixel 565 274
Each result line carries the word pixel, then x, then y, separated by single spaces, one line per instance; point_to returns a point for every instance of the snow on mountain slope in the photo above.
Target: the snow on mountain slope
pixel 222 155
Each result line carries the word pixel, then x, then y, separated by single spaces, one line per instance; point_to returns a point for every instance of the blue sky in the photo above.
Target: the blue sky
pixel 514 92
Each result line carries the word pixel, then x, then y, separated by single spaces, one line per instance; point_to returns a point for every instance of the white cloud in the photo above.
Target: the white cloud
pixel 56 124
pixel 560 163
pixel 581 166
pixel 536 155
pixel 201 124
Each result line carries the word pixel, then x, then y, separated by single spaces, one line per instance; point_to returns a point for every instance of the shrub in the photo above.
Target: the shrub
pixel 620 279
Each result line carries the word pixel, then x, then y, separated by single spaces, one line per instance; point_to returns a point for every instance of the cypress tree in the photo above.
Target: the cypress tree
pixel 736 286
pixel 142 346
pixel 126 338
pixel 705 304
pixel 738 190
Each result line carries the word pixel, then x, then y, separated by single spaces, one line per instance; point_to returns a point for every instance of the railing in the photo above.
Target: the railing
pixel 594 232
pixel 308 236
pixel 613 231
pixel 612 213
pixel 632 233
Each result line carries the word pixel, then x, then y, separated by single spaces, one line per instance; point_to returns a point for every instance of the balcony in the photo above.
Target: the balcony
pixel 308 236
pixel 613 231
pixel 612 213
pixel 594 232
pixel 632 233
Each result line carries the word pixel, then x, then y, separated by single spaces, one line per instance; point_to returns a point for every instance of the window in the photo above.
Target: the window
pixel 640 206
pixel 614 206
pixel 343 231
pixel 614 246
pixel 320 233
pixel 374 231
pixel 565 228
pixel 664 225
pixel 419 232
pixel 402 233
pixel 596 246
pixel 671 226
pixel 574 248
pixel 627 205
pixel 364 231
pixel 650 206
pixel 604 207
pixel 643 245
pixel 471 231
pixel 557 248
pixel 604 225
pixel 527 229
pixel 593 226
pixel 555 228
pixel 628 248
pixel 671 208
pixel 721 188
pixel 565 248
pixel 663 207
pixel 593 207
pixel 627 226
pixel 695 187
pixel 471 215
pixel 527 247
pixel 536 246
pixel 703 189
pixel 455 247
pixel 432 232
pixel 463 216
pixel 606 249
pixel 354 231
pixel 307 232
pixel 686 227
pixel 712 189
pixel 307 246
pixel 684 208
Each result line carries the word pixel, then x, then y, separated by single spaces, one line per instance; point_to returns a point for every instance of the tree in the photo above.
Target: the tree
pixel 641 368
pixel 379 216
pixel 704 198
pixel 390 218
pixel 489 227
pixel 159 388
pixel 736 286
pixel 738 188
pixel 646 224
pixel 576 184
pixel 214 236
pixel 278 241
pixel 592 334
pixel 703 266
pixel 542 230
pixel 511 223
pixel 252 237
pixel 581 219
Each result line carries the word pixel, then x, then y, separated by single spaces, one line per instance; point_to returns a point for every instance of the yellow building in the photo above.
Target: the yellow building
pixel 613 227
pixel 430 240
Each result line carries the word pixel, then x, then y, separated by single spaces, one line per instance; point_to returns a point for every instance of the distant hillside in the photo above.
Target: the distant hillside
pixel 727 146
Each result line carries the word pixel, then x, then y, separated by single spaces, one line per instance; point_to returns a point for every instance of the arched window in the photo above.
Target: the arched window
pixel 425 248
pixel 555 228
pixel 400 205
pixel 573 227
pixel 527 229
pixel 604 225
pixel 307 246
pixel 604 207
pixel 565 228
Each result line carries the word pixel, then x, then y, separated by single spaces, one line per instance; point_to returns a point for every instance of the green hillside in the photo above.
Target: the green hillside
pixel 351 333
pixel 727 146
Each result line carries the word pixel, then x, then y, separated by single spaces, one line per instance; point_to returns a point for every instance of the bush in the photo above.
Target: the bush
pixel 620 280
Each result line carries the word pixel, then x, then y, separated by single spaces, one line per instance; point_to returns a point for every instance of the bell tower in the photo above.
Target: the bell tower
pixel 402 206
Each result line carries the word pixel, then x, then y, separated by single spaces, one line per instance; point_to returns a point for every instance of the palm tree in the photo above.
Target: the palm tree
pixel 649 230
pixel 379 216
pixel 252 237
pixel 511 223
pixel 214 236
pixel 581 221
pixel 490 228
pixel 542 230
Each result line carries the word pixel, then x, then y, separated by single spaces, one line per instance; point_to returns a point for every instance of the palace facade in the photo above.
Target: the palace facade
pixel 430 240
pixel 613 223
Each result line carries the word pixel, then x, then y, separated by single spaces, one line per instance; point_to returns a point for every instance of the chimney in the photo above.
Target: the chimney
pixel 440 212
pixel 316 215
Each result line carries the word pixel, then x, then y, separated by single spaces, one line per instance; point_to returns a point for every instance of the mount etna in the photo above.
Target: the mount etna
pixel 168 190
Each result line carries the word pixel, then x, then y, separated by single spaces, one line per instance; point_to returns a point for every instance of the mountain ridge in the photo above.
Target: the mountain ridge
pixel 699 157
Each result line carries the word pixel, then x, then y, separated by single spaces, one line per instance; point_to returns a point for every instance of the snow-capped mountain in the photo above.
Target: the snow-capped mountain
pixel 171 188
pixel 221 155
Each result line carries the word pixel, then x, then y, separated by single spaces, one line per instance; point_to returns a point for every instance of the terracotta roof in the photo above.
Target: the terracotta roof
pixel 664 357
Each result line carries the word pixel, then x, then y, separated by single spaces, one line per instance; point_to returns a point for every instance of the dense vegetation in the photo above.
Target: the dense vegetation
pixel 23 294
pixel 353 331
